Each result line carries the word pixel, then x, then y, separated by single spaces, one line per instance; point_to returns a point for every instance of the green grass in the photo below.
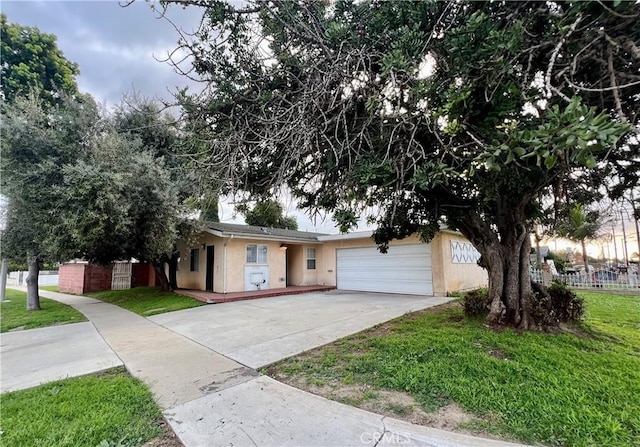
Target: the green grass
pixel 147 301
pixel 111 409
pixel 14 314
pixel 557 389
pixel 49 288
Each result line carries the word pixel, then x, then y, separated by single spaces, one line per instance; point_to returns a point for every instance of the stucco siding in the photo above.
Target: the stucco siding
pixel 460 275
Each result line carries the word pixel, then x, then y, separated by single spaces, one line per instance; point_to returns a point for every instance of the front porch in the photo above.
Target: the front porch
pixel 217 298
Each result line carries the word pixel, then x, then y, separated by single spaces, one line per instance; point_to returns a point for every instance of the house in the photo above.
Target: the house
pixel 229 258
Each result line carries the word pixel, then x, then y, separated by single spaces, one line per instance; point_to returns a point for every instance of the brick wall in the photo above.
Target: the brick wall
pixel 71 279
pixel 97 278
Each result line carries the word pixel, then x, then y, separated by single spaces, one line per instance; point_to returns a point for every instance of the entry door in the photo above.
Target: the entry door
pixel 210 257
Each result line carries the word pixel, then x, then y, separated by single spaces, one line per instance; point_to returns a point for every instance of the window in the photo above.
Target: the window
pixel 256 254
pixel 194 261
pixel 311 258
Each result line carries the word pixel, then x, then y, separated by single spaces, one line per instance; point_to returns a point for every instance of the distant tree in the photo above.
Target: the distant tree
pixel 580 226
pixel 31 60
pixel 268 213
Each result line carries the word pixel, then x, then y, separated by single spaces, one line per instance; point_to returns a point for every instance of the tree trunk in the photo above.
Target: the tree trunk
pixel 3 279
pixel 510 283
pixel 33 299
pixel 158 267
pixel 584 257
pixel 173 269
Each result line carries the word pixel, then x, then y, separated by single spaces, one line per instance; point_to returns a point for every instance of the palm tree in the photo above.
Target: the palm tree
pixel 581 226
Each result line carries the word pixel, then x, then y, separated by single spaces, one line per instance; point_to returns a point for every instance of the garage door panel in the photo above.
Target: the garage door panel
pixel 404 269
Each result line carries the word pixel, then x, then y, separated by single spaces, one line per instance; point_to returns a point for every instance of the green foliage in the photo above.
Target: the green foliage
pixel 482 116
pixel 556 389
pixel 147 301
pixel 13 313
pixel 559 262
pixel 267 213
pixel 78 186
pixel 476 302
pixel 580 224
pixel 37 145
pixel 556 304
pixel 30 60
pixel 110 408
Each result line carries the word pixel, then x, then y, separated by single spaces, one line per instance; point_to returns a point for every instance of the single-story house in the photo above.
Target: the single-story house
pixel 233 258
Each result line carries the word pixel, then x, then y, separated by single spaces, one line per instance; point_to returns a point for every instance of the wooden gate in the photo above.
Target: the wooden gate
pixel 121 276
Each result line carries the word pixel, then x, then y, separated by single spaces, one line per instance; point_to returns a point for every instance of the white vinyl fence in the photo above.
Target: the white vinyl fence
pixel 45 278
pixel 599 279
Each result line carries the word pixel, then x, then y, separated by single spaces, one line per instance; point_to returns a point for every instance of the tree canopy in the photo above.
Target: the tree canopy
pixel 31 60
pixel 267 213
pixel 481 116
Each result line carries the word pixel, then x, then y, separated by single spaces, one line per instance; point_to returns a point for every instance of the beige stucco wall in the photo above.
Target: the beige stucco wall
pixel 447 276
pixel 450 277
pixel 326 255
pixel 235 264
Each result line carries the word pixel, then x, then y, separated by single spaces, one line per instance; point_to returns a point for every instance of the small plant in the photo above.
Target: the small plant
pixel 476 302
pixel 568 306
pixel 556 304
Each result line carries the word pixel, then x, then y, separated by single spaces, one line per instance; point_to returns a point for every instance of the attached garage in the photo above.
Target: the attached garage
pixel 403 269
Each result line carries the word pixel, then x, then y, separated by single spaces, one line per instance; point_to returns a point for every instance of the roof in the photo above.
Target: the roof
pixel 255 232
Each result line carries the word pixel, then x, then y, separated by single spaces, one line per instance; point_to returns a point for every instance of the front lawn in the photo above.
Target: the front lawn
pixel 14 314
pixel 49 288
pixel 568 389
pixel 107 409
pixel 146 301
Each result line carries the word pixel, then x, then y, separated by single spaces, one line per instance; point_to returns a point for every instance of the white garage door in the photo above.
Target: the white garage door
pixel 403 269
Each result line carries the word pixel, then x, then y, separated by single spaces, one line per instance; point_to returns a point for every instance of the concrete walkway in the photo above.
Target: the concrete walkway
pixel 37 356
pixel 210 400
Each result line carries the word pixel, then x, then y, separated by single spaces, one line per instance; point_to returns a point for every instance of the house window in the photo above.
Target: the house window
pixel 194 261
pixel 311 258
pixel 256 254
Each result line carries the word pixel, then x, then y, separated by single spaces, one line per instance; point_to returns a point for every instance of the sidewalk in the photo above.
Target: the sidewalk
pixel 175 368
pixel 210 400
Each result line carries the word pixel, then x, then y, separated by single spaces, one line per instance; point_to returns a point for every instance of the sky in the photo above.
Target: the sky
pixel 119 50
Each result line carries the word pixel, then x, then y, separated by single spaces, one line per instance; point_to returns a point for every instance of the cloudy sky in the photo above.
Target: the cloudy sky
pixel 118 51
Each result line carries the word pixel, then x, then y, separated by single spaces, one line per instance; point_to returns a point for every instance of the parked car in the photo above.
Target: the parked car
pixel 605 275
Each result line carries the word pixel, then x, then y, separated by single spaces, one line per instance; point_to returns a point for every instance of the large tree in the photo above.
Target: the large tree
pixel 478 115
pixel 38 140
pixel 31 60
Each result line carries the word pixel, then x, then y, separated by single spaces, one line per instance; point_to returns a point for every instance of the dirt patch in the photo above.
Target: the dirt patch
pixel 497 353
pixel 395 404
pixel 166 439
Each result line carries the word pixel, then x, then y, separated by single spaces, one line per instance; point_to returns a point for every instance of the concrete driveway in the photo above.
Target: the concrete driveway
pixel 259 332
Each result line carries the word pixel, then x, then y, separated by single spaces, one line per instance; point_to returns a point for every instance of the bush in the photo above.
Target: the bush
pixel 476 302
pixel 556 304
pixel 567 305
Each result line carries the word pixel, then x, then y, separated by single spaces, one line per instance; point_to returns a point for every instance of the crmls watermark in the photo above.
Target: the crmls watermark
pixel 369 437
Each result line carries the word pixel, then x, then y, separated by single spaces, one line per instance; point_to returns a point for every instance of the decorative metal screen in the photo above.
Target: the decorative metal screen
pixel 463 253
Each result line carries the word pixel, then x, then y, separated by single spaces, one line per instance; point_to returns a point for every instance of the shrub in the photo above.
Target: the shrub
pixel 567 305
pixel 476 302
pixel 556 304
